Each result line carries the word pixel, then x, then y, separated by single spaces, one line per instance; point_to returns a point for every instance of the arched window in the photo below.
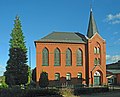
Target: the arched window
pixel 45 57
pixel 95 61
pixel 98 50
pixel 56 57
pixel 98 61
pixel 57 76
pixel 79 75
pixel 79 57
pixel 68 57
pixel 95 50
pixel 68 76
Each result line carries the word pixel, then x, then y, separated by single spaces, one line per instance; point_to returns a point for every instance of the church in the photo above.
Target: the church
pixel 71 58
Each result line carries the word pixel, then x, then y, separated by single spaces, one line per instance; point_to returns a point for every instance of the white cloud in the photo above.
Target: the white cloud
pixel 113 19
pixel 116 22
pixel 112 59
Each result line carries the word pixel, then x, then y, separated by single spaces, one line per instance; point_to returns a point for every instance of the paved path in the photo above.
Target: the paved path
pixel 115 93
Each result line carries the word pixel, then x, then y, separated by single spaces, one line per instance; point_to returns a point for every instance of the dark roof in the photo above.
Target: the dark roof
pixel 92 27
pixel 71 37
pixel 114 65
pixel 113 71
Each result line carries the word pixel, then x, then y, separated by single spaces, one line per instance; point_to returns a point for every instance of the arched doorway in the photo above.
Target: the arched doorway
pixel 97 78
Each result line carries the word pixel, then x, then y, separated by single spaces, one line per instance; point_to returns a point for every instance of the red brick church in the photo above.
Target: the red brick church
pixel 72 58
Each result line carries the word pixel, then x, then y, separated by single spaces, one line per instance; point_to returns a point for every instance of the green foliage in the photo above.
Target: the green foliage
pixel 17 92
pixel 3 85
pixel 17 40
pixel 29 75
pixel 16 69
pixel 34 74
pixel 2 82
pixel 43 81
pixel 67 92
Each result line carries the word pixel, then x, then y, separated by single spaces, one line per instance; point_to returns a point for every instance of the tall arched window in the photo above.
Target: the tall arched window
pixel 95 50
pixel 68 57
pixel 57 57
pixel 98 50
pixel 45 57
pixel 79 57
pixel 98 61
pixel 95 61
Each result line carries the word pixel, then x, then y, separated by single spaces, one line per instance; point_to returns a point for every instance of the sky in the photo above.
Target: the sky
pixel 41 17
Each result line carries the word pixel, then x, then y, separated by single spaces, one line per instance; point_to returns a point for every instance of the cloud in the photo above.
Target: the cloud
pixel 115 33
pixel 116 22
pixel 113 19
pixel 112 59
pixel 117 41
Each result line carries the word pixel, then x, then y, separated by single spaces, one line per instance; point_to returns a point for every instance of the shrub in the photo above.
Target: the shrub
pixel 3 85
pixel 13 92
pixel 43 81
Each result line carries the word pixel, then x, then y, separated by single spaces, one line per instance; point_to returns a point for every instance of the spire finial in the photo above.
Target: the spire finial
pixel 91 5
pixel 92 27
pixel 91 8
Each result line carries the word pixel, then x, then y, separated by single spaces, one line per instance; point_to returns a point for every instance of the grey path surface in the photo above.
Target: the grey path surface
pixel 115 93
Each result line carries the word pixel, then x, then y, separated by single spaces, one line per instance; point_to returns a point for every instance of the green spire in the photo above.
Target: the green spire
pixel 92 27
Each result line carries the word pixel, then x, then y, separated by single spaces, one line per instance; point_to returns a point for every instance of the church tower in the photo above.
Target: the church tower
pixel 92 27
pixel 96 55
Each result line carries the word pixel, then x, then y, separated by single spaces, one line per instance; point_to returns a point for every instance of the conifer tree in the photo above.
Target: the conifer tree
pixel 43 81
pixel 16 69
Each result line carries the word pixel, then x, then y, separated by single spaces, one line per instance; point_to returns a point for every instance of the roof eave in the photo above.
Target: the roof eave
pixel 59 42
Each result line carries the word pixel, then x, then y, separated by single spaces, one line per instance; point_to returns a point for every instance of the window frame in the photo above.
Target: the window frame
pixel 98 50
pixel 57 76
pixel 57 59
pixel 79 59
pixel 68 57
pixel 45 57
pixel 99 61
pixel 68 76
pixel 79 75
pixel 95 50
pixel 95 61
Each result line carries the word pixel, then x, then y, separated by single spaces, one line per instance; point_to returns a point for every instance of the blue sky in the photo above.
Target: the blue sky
pixel 41 17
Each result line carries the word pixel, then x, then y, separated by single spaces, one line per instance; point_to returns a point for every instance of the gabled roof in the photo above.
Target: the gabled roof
pixel 71 37
pixel 92 27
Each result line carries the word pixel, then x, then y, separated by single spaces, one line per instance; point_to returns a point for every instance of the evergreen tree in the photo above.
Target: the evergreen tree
pixel 16 69
pixel 34 74
pixel 43 81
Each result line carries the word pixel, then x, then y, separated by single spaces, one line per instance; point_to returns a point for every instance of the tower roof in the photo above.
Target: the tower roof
pixel 92 27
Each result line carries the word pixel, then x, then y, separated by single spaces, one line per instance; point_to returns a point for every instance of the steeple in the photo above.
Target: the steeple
pixel 92 27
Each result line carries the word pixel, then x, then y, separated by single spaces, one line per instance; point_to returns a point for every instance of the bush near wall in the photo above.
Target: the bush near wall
pixel 29 93
pixel 90 90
